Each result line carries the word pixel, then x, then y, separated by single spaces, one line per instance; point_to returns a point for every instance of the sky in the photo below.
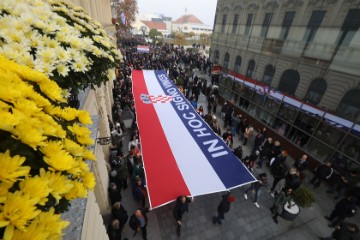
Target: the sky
pixel 204 10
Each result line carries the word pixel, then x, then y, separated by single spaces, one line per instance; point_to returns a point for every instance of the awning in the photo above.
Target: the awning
pixel 181 154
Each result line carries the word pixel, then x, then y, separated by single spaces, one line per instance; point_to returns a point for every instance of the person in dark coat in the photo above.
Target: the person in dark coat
pixel 265 151
pixel 139 191
pixel 346 207
pixel 118 212
pixel 256 186
pixel 238 152
pixel 279 173
pixel 114 193
pixel 181 207
pixel 344 231
pixel 279 159
pixel 281 199
pixel 138 221
pixel 223 207
pixel 321 173
pixel 114 231
pixel 301 164
pixel 292 179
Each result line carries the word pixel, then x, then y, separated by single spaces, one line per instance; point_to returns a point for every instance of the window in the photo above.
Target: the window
pixel 237 64
pixel 313 25
pixel 316 90
pixel 250 69
pixel 226 60
pixel 286 25
pixel 248 23
pixel 266 24
pixel 235 23
pixel 223 24
pixel 349 106
pixel 268 74
pixel 289 81
pixel 349 27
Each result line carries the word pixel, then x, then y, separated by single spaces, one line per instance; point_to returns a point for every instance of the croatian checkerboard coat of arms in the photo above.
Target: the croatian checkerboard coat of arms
pixel 148 99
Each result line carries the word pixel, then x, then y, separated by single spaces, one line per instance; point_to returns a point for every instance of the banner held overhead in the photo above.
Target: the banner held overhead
pixel 181 153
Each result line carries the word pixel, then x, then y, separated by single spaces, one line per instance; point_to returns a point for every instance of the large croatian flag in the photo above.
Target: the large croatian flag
pixel 181 154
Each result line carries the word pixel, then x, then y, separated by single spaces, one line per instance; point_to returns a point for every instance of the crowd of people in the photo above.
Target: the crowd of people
pixel 126 167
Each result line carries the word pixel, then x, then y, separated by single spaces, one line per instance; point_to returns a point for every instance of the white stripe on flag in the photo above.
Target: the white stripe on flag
pixel 197 172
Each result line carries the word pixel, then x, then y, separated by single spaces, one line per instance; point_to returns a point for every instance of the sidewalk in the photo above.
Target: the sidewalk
pixel 244 221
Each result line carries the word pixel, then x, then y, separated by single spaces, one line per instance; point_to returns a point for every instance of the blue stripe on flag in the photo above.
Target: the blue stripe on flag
pixel 227 166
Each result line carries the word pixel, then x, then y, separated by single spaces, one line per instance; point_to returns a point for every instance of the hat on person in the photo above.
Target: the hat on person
pixel 231 198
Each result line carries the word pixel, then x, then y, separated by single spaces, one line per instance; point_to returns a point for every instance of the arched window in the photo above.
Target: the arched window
pixel 226 60
pixel 268 74
pixel 289 81
pixel 216 56
pixel 316 90
pixel 250 69
pixel 349 106
pixel 238 61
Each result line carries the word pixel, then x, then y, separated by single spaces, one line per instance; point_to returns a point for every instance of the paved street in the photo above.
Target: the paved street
pixel 244 221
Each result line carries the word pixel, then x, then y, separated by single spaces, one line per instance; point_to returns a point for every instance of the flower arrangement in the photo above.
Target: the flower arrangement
pixel 59 40
pixel 43 148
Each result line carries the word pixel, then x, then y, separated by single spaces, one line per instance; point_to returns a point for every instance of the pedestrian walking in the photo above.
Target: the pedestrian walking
pixel 322 172
pixel 281 199
pixel 181 207
pixel 255 187
pixel 223 207
pixel 138 222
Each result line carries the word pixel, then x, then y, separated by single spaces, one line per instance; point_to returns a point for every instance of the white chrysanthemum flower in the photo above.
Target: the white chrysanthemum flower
pixel 79 66
pixel 52 44
pixel 52 27
pixel 40 24
pixel 61 36
pixel 27 19
pixel 26 59
pixel 79 27
pixel 111 74
pixel 76 43
pixel 87 41
pixel 96 51
pixel 46 55
pixel 60 21
pixel 44 67
pixel 62 55
pixel 74 54
pixel 10 52
pixel 62 69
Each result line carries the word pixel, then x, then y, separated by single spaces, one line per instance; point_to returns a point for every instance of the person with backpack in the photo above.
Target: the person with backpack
pixel 223 207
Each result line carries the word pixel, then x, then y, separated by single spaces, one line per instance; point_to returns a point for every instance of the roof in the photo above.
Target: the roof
pixel 155 25
pixel 188 19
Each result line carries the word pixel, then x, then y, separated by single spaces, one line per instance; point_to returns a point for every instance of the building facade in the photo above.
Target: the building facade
pixel 308 51
pixel 190 23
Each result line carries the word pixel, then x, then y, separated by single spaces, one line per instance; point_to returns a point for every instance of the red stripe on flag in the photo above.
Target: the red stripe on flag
pixel 163 177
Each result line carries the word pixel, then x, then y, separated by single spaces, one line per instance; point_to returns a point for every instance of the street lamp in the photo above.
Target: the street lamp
pixel 127 117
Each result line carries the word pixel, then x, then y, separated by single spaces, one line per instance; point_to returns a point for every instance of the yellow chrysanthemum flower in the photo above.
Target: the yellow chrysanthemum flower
pixel 8 121
pixel 37 188
pixel 4 188
pixel 88 180
pixel 17 211
pixel 29 133
pixel 51 223
pixel 69 114
pixel 86 140
pixel 11 167
pixel 78 191
pixel 73 148
pixel 52 147
pixel 60 161
pixel 88 155
pixel 59 183
pixel 33 231
pixel 84 117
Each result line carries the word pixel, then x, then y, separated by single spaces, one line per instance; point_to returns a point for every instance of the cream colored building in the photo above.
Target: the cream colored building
pixel 307 49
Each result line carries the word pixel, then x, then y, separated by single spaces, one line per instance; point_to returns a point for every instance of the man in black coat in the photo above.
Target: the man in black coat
pixel 114 193
pixel 344 231
pixel 321 173
pixel 138 221
pixel 181 207
pixel 223 207
pixel 346 207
